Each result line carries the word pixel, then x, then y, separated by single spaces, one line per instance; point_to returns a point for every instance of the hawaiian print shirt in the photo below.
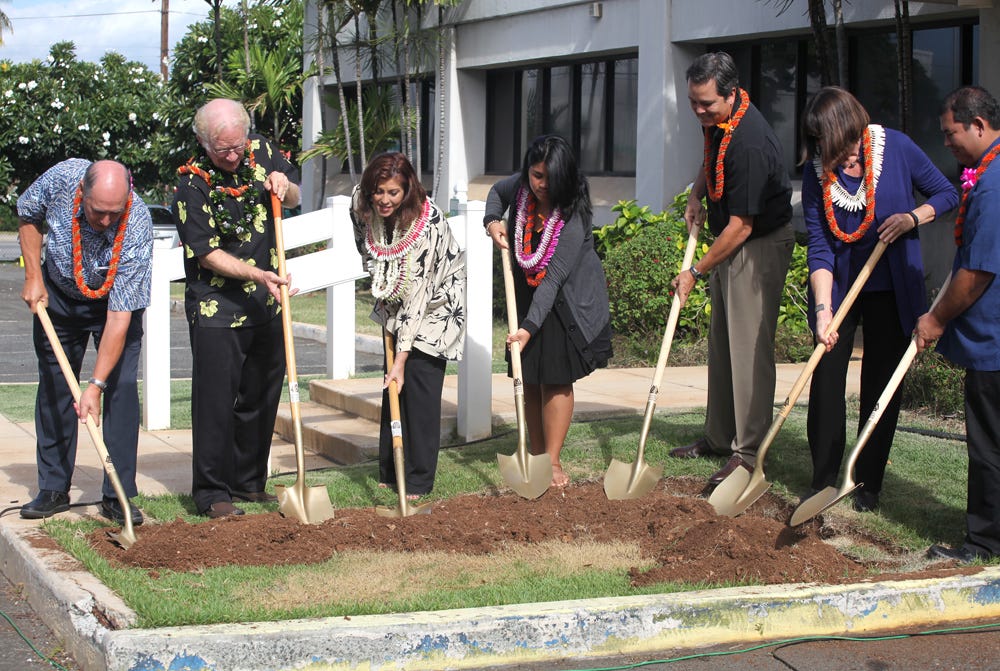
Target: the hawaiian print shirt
pixel 242 226
pixel 50 200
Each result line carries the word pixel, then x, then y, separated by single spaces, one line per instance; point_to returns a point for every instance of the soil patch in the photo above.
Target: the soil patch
pixel 678 535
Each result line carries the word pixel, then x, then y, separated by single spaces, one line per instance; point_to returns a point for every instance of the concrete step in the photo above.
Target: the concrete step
pixel 363 397
pixel 337 435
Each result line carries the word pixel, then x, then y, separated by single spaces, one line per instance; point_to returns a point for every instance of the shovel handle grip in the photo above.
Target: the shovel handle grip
pixel 508 286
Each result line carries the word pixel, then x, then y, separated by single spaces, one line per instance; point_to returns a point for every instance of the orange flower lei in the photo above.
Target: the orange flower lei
pixel 536 278
pixel 715 192
pixel 116 249
pixel 190 168
pixel 869 185
pixel 980 169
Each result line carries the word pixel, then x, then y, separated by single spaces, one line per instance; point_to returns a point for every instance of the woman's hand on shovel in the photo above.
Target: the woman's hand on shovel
pixel 397 372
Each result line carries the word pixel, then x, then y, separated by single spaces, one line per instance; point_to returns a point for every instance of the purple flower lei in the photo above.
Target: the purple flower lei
pixel 537 261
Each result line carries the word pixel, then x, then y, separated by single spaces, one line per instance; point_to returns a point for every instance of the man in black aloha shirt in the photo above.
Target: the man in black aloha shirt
pixel 222 210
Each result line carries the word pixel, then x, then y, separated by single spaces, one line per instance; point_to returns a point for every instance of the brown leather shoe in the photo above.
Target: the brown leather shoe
pixel 734 462
pixel 698 448
pixel 222 509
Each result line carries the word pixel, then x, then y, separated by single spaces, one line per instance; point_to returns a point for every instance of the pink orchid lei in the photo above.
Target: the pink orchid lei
pixel 969 178
pixel 537 261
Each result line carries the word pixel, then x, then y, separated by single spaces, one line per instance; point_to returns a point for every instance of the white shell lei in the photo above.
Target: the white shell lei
pixel 539 259
pixel 390 263
pixel 839 195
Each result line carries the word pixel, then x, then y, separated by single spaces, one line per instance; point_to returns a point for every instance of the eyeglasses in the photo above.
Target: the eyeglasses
pixel 226 151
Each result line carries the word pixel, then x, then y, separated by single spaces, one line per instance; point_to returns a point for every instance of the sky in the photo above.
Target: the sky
pixel 130 27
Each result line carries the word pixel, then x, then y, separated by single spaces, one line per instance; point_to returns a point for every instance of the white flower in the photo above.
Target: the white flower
pixel 23 140
pixel 22 86
pixel 57 104
pixel 57 129
pixel 148 145
pixel 50 59
pixel 83 126
pixel 8 93
pixel 106 143
pixel 279 10
pixel 131 117
pixel 106 135
pixel 139 80
pixel 156 116
pixel 202 39
pixel 277 23
pixel 32 85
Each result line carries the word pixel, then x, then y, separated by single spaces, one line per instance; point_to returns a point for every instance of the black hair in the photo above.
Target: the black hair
pixel 568 189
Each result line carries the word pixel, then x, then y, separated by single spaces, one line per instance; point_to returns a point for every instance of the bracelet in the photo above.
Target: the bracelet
pixel 490 224
pixel 916 219
pixel 819 308
pixel 100 384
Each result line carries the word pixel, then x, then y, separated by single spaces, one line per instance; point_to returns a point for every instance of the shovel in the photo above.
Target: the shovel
pixel 830 496
pixel 631 481
pixel 311 505
pixel 127 536
pixel 405 508
pixel 527 474
pixel 740 488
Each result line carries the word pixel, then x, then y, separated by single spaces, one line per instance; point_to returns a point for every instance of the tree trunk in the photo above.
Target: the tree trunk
pixel 443 41
pixel 817 20
pixel 841 40
pixel 217 35
pixel 320 66
pixel 904 55
pixel 357 79
pixel 335 57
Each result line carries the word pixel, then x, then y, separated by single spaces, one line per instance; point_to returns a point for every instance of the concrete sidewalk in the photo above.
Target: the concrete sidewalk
pixel 94 623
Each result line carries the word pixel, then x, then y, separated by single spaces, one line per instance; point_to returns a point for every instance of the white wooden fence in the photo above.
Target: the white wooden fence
pixel 335 269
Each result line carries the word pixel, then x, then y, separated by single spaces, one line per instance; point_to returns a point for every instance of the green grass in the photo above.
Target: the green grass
pixel 923 502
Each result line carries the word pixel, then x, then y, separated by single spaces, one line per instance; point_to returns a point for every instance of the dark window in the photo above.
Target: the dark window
pixel 593 105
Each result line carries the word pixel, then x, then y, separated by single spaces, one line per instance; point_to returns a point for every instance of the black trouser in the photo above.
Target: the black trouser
pixel 982 427
pixel 420 416
pixel 235 388
pixel 884 345
pixel 56 422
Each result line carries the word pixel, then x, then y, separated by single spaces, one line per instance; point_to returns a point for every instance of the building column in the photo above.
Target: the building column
pixel 668 146
pixel 989 50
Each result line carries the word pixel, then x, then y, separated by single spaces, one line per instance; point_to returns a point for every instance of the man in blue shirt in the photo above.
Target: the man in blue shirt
pixel 94 283
pixel 967 316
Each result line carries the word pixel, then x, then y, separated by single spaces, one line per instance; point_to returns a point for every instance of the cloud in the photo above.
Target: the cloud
pixel 129 27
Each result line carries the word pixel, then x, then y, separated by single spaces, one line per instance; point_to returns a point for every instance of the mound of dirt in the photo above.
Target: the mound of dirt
pixel 676 531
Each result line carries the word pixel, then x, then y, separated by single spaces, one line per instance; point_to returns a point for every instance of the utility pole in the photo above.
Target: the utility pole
pixel 164 42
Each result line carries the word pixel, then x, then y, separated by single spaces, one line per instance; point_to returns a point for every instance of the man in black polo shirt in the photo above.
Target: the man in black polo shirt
pixel 749 213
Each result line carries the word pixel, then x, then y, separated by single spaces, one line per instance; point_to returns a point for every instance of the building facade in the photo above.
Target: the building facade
pixel 609 76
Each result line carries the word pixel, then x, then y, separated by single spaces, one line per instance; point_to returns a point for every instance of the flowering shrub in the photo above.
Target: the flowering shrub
pixel 934 384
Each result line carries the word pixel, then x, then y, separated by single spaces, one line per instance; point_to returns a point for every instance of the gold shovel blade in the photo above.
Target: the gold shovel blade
pixel 122 538
pixel 630 481
pixel 531 481
pixel 401 511
pixel 726 495
pixel 309 505
pixel 818 502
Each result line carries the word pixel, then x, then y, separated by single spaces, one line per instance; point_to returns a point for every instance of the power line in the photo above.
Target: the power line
pixel 80 16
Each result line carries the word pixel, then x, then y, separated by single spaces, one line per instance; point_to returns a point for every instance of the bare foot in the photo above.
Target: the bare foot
pixel 383 485
pixel 559 477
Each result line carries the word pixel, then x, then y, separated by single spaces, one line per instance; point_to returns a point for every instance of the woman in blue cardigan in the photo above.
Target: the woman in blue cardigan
pixel 857 188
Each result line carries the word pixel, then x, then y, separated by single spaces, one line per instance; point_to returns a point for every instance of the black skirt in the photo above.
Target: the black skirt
pixel 551 357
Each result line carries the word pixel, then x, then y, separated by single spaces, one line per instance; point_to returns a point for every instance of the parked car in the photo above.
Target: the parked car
pixel 164 231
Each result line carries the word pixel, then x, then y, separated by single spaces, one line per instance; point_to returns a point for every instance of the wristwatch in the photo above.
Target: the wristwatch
pixel 696 274
pixel 100 384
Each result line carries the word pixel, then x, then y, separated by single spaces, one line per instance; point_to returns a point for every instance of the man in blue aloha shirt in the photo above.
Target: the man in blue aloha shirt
pixel 95 283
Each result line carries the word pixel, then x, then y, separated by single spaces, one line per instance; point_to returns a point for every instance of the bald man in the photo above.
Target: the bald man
pixel 94 282
pixel 222 210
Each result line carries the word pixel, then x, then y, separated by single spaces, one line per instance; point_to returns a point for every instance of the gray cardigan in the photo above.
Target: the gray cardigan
pixel 574 283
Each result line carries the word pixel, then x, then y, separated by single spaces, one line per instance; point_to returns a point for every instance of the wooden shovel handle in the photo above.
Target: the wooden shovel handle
pixel 508 285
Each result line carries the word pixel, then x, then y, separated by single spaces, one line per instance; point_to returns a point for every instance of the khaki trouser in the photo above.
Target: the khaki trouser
pixel 746 292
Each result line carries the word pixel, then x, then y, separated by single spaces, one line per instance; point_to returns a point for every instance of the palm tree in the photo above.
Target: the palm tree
pixel 5 25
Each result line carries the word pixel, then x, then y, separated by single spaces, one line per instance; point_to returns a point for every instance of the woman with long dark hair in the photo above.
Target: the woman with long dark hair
pixel 562 299
pixel 418 281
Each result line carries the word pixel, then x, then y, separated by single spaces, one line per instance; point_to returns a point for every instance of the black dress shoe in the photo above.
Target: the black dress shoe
pixel 698 448
pixel 112 509
pixel 962 555
pixel 46 504
pixel 222 509
pixel 254 497
pixel 864 502
pixel 735 461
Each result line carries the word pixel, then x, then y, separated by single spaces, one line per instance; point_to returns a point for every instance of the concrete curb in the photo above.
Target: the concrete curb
pixel 89 617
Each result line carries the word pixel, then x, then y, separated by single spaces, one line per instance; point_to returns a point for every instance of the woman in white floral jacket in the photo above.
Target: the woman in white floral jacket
pixel 418 281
